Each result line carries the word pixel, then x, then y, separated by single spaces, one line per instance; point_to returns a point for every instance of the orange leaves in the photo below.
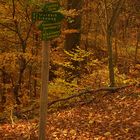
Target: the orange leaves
pixel 70 31
pixel 70 13
pixel 102 120
pixel 6 59
pixel 22 130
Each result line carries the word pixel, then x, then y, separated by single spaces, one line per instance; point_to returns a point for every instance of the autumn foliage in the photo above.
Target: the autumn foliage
pixel 78 64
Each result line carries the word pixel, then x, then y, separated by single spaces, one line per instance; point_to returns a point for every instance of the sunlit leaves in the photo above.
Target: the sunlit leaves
pixel 78 54
pixel 60 88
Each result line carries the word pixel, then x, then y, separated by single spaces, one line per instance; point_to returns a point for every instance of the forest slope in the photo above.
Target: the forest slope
pixel 108 117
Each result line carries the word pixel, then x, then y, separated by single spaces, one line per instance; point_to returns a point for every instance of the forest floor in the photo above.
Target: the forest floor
pixel 111 116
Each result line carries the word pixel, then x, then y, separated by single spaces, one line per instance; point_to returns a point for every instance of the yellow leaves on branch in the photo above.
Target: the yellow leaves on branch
pixel 78 54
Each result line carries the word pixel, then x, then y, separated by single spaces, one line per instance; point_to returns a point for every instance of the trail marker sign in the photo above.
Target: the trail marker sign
pixel 44 26
pixel 51 18
pixel 49 7
pixel 47 35
pixel 48 17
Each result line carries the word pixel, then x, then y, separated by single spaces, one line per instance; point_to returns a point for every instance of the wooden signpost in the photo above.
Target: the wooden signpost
pixel 50 28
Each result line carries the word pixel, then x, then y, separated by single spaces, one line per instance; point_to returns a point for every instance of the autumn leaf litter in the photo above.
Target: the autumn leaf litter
pixel 110 117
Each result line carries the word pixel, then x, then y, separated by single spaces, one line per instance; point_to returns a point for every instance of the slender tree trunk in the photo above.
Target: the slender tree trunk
pixel 110 27
pixel 35 86
pixel 5 80
pixel 29 82
pixel 22 67
pixel 116 52
pixel 18 84
pixel 137 45
pixel 110 58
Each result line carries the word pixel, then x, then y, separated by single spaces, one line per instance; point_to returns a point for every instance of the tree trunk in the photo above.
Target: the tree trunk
pixel 110 26
pixel 110 58
pixel 73 39
pixel 18 84
pixel 137 45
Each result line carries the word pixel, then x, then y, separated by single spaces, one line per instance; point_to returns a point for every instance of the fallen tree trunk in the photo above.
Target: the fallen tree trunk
pixel 82 93
pixel 91 91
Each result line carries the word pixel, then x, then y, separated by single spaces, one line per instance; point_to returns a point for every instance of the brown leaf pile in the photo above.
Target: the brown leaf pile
pixel 110 117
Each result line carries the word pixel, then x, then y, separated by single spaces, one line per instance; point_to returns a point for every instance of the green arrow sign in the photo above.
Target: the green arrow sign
pixel 51 6
pixel 49 17
pixel 44 26
pixel 46 35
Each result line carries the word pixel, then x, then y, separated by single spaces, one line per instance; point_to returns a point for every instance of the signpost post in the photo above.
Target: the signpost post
pixel 50 28
pixel 44 88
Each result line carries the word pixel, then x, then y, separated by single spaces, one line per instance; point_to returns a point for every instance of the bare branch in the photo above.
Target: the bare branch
pixel 13 8
pixel 6 26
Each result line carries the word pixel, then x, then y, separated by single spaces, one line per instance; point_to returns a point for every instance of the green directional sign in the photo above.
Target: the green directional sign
pixel 50 34
pixel 51 6
pixel 49 17
pixel 44 26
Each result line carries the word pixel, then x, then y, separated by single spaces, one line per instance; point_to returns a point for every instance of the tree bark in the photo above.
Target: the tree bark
pixel 137 45
pixel 110 27
pixel 73 40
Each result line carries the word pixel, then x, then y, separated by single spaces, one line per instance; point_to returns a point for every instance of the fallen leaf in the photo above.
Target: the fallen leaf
pixel 107 133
